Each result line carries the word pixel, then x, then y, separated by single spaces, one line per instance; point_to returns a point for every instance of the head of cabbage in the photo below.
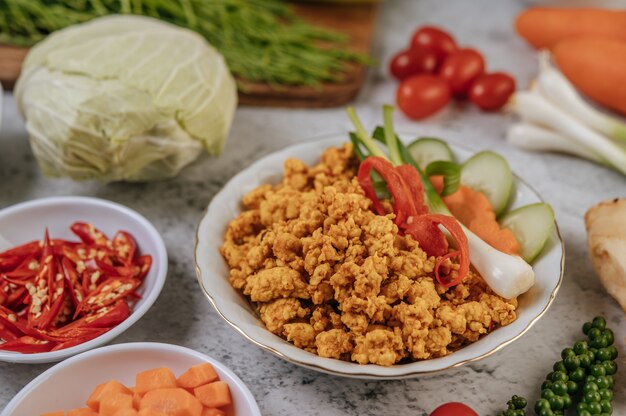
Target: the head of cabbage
pixel 124 98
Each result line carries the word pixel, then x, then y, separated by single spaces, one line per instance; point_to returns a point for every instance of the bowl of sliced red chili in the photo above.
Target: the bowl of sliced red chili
pixel 75 272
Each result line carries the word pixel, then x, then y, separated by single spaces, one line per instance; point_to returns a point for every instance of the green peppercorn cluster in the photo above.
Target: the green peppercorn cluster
pixel 584 372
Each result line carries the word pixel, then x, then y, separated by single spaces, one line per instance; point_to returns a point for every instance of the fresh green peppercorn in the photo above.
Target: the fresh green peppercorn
pixel 602 382
pixel 590 386
pixel 581 347
pixel 567 401
pixel 572 387
pixel 607 407
pixel 546 385
pixel 542 404
pixel 592 353
pixel 560 365
pixel 546 412
pixel 610 367
pixel 549 376
pixel 584 413
pixel 556 403
pixel 586 327
pixel 519 402
pixel 597 370
pixel 599 342
pixel 611 381
pixel 585 360
pixel 577 375
pixel 547 394
pixel 594 408
pixel 599 322
pixel 613 352
pixel 571 363
pixel 567 352
pixel 591 397
pixel 604 354
pixel 593 334
pixel 559 376
pixel 609 335
pixel 559 388
pixel 581 407
pixel 606 394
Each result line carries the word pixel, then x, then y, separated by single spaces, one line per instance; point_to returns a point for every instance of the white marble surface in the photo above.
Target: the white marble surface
pixel 182 316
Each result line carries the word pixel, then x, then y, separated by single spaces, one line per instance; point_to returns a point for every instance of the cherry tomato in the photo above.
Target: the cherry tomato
pixel 453 409
pixel 422 95
pixel 490 92
pixel 412 62
pixel 461 68
pixel 434 39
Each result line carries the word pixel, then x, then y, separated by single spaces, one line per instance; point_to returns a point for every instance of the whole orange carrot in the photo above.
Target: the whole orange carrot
pixel 544 27
pixel 597 67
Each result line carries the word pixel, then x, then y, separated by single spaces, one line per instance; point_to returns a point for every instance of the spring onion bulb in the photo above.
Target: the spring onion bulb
pixel 535 138
pixel 553 85
pixel 534 108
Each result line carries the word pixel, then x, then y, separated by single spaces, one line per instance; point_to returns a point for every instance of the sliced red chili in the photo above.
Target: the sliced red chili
pixel 11 258
pixel 109 292
pixel 413 180
pixel 27 345
pixel 145 263
pixel 428 235
pixel 456 231
pixel 403 206
pixel 89 234
pixel 125 247
pixel 102 318
pixel 77 340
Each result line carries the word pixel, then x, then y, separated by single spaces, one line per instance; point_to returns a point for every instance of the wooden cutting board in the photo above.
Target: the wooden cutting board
pixel 356 21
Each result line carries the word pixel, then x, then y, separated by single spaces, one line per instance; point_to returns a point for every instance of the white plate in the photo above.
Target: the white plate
pixel 27 221
pixel 235 309
pixel 67 385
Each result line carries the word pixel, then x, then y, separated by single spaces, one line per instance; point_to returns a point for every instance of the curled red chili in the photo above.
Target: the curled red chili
pixel 56 294
pixel 407 191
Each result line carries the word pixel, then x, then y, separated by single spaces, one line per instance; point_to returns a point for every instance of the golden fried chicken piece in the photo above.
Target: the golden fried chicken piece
pixel 279 312
pixel 301 334
pixel 333 343
pixel 277 282
pixel 380 346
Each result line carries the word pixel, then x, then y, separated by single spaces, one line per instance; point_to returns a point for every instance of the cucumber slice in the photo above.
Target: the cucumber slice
pixel 426 149
pixel 489 173
pixel 532 225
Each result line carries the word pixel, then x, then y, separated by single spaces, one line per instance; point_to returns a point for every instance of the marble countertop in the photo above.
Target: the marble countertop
pixel 282 389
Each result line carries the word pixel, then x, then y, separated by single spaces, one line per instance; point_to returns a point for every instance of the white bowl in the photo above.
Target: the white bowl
pixel 67 385
pixel 236 310
pixel 27 221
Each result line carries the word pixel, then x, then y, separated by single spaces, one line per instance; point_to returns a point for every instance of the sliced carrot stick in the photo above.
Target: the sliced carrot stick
pixel 544 27
pixel 597 67
pixel 104 389
pixel 216 394
pixel 156 378
pixel 173 401
pixel 197 375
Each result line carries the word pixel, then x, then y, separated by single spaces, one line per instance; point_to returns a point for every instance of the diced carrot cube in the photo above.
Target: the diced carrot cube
pixel 126 412
pixel 174 402
pixel 150 412
pixel 112 402
pixel 136 400
pixel 197 375
pixel 57 413
pixel 216 394
pixel 211 411
pixel 157 378
pixel 104 389
pixel 83 411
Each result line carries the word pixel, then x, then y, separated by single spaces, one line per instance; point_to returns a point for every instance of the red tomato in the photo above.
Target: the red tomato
pixel 412 62
pixel 461 68
pixel 422 95
pixel 434 39
pixel 491 91
pixel 453 409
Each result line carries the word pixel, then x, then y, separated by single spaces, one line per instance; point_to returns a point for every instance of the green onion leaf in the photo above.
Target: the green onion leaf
pixel 451 173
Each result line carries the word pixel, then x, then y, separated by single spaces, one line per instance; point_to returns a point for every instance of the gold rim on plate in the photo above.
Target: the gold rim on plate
pixel 365 374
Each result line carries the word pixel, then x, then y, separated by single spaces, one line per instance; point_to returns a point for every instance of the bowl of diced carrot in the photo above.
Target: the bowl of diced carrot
pixel 136 379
